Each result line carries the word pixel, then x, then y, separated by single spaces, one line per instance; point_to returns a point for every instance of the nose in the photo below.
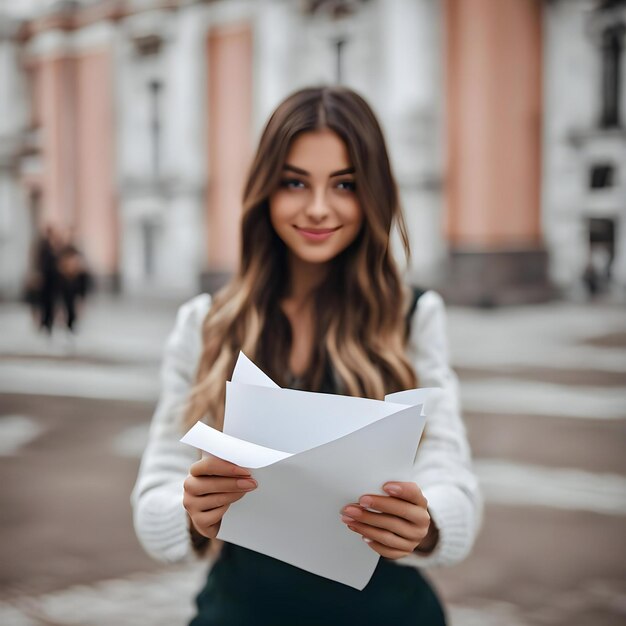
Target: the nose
pixel 317 209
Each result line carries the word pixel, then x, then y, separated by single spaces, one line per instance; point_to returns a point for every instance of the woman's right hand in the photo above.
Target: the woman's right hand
pixel 211 487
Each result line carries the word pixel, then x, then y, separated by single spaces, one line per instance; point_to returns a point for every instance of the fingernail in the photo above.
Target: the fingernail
pixel 366 501
pixel 246 484
pixel 240 471
pixel 346 520
pixel 352 511
pixel 393 489
pixel 352 528
pixel 366 540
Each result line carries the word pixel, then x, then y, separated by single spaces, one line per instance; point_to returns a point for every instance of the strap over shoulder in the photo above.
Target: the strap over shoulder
pixel 416 294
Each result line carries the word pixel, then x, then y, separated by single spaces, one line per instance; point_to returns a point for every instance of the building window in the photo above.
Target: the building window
pixel 148 45
pixel 612 46
pixel 601 176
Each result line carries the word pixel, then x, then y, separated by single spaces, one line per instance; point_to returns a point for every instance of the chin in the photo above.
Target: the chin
pixel 316 257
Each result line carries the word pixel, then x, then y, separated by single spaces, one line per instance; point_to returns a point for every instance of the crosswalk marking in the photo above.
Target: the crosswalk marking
pixel 494 396
pixel 514 484
pixel 522 397
pixel 503 482
pixel 15 432
pixel 78 380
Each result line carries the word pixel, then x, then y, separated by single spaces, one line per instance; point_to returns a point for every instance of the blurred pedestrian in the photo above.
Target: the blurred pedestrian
pixel 32 294
pixel 44 280
pixel 74 282
pixel 318 303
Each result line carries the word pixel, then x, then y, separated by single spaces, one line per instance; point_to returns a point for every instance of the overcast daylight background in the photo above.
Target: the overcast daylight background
pixel 128 125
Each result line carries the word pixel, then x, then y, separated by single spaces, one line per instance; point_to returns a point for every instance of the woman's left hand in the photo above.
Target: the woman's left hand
pixel 398 524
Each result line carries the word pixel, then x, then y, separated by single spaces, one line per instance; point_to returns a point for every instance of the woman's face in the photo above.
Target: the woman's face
pixel 315 210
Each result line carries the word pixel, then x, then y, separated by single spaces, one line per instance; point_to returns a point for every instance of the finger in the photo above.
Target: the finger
pixel 203 521
pixel 210 531
pixel 396 525
pixel 385 551
pixel 406 491
pixel 384 537
pixel 209 485
pixel 214 466
pixel 216 500
pixel 395 506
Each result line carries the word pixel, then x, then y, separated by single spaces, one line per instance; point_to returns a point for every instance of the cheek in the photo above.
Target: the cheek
pixel 352 225
pixel 354 218
pixel 279 211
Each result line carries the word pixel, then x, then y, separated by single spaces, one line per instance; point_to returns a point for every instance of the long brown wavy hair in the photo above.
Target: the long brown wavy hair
pixel 360 308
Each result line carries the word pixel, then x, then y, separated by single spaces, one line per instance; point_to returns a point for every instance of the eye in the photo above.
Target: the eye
pixel 346 185
pixel 291 183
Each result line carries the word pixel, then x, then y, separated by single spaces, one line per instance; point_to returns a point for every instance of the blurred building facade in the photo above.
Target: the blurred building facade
pixel 132 122
pixel 584 143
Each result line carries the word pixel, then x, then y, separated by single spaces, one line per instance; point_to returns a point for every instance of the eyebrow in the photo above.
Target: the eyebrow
pixel 297 170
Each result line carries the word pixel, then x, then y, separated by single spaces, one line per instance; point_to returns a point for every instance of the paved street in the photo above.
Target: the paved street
pixel 544 396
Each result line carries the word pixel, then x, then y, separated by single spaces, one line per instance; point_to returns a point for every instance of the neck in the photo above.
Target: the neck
pixel 304 278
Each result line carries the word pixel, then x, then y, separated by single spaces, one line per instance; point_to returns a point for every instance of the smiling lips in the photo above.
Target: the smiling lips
pixel 316 234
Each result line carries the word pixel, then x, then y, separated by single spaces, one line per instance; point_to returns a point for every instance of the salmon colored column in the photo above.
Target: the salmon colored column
pixel 229 65
pixel 493 80
pixel 56 81
pixel 96 202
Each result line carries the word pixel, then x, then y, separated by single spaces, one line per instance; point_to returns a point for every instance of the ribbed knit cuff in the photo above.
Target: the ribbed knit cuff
pixel 449 511
pixel 161 525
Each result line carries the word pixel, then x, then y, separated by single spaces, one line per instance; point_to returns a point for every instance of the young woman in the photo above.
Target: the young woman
pixel 318 304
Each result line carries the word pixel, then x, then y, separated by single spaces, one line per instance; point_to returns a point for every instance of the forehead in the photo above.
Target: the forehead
pixel 318 151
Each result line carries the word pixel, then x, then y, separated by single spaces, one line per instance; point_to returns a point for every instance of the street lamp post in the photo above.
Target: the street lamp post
pixel 338 14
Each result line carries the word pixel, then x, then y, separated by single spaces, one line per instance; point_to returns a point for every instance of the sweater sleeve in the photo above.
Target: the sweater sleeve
pixel 443 468
pixel 159 517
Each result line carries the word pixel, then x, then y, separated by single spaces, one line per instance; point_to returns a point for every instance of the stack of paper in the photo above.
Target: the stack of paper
pixel 312 454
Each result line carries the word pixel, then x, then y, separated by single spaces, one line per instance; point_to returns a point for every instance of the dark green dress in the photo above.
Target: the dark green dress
pixel 245 588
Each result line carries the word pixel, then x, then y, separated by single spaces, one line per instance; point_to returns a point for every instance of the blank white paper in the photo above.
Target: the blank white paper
pixel 311 454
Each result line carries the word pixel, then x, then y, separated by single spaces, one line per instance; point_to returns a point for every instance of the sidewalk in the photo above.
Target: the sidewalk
pixel 567 337
pixel 111 330
pixel 544 397
pixel 116 352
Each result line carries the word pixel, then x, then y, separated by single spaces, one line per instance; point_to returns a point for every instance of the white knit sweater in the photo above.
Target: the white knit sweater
pixel 442 466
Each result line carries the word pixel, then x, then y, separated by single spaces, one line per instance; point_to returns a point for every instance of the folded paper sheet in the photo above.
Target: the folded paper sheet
pixel 311 454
